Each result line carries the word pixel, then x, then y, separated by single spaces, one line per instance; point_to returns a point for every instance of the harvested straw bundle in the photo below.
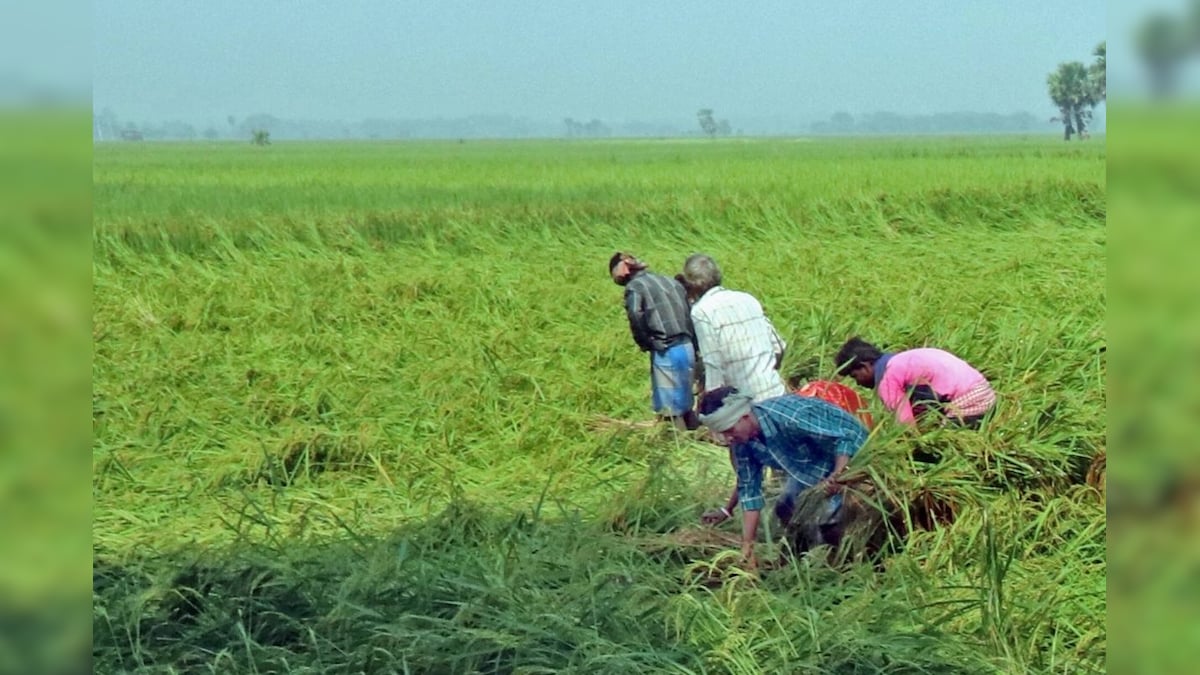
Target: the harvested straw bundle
pixel 872 521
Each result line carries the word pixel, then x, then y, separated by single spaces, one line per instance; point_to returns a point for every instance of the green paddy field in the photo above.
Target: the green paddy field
pixel 351 403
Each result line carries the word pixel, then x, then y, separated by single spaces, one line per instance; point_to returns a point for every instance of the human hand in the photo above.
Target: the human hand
pixel 715 516
pixel 832 486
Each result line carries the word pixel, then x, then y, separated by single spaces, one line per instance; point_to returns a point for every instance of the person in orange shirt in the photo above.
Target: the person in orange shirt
pixel 840 395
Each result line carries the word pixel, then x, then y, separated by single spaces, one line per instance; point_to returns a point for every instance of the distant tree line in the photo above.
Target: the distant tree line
pixel 263 127
pixel 108 126
pixel 884 122
pixel 592 129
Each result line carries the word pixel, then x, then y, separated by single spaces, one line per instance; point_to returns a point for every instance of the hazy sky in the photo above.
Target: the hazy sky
pixel 618 60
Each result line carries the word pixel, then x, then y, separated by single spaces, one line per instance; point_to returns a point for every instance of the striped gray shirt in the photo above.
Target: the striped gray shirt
pixel 658 311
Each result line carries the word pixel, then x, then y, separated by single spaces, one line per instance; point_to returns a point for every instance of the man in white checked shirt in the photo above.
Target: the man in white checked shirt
pixel 738 344
pixel 739 347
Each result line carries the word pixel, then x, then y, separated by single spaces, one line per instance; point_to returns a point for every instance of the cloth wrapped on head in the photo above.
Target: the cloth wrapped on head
pixel 733 408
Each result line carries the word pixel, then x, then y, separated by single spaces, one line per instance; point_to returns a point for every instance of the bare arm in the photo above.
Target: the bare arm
pixel 846 448
pixel 731 503
pixel 749 535
pixel 832 486
pixel 839 464
pixel 751 497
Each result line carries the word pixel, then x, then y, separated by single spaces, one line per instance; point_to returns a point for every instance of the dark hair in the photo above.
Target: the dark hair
pixel 856 352
pixel 612 262
pixel 712 401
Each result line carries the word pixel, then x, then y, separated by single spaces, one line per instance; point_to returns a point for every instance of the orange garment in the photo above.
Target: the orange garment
pixel 840 395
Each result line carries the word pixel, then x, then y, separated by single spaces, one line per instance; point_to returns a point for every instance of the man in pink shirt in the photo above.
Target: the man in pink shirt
pixel 916 381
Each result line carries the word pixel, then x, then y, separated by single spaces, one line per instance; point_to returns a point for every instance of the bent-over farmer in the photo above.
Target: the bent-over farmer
pixel 809 439
pixel 917 382
pixel 657 309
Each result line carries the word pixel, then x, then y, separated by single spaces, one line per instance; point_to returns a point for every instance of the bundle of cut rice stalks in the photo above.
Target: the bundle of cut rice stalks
pixel 876 516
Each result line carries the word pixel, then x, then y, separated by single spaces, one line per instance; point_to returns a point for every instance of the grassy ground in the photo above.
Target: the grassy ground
pixel 344 402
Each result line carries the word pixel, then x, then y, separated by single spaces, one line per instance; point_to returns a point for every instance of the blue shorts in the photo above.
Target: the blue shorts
pixel 671 379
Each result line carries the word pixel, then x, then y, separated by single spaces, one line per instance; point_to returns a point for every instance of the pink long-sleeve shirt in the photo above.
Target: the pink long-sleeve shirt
pixel 944 372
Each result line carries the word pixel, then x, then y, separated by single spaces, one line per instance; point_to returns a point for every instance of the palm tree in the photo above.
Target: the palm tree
pixel 1073 95
pixel 1098 72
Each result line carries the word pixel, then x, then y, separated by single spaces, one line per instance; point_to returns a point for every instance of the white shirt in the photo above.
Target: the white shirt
pixel 738 344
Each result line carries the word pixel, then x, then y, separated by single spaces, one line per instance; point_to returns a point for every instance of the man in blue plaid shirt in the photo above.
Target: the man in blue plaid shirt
pixel 808 438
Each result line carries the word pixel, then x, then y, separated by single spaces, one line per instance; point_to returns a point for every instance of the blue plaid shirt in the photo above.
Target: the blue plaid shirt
pixel 800 435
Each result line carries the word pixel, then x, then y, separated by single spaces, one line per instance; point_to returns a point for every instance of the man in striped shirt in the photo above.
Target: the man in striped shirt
pixel 657 309
pixel 739 347
pixel 809 439
pixel 916 382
